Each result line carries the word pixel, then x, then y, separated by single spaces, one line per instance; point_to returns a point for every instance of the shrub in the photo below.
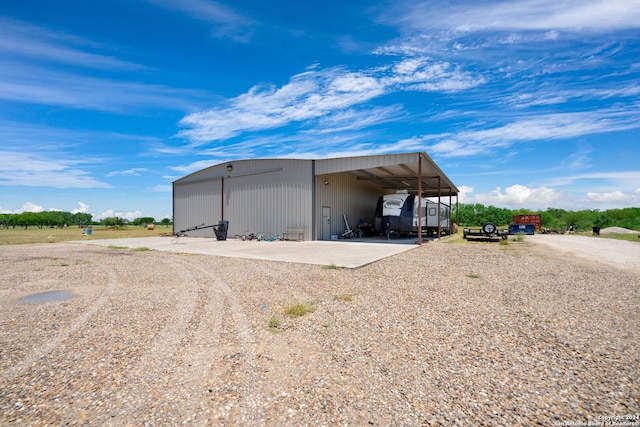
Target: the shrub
pixel 299 309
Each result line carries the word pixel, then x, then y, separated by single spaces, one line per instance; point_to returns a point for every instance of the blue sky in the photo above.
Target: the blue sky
pixel 523 104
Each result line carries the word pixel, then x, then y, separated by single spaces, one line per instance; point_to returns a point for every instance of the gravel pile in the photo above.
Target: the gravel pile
pixel 445 334
pixel 618 230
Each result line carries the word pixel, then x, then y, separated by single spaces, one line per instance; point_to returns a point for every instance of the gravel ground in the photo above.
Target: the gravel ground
pixel 445 334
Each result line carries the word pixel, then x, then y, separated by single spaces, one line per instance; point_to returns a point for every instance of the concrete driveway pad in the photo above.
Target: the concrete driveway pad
pixel 342 253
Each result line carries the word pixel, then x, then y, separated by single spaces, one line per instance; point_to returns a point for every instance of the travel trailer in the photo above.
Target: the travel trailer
pixel 398 214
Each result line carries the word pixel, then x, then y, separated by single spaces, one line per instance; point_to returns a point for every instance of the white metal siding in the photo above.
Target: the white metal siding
pixel 196 204
pixel 271 201
pixel 345 195
pixel 266 195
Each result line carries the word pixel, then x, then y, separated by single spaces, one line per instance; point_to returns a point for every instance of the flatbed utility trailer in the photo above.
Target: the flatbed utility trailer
pixel 489 232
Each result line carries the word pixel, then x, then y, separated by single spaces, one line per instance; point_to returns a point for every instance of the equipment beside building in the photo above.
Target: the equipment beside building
pixel 522 228
pixel 528 219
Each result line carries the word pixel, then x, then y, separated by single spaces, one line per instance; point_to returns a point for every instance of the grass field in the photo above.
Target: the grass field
pixel 16 236
pixel 629 237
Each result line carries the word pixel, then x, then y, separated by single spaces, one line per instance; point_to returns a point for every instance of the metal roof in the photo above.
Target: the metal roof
pixel 407 171
pixel 393 172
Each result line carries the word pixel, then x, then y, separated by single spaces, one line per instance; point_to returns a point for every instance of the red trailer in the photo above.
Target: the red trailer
pixel 528 219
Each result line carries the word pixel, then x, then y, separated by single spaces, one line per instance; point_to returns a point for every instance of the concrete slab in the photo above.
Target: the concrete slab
pixel 352 253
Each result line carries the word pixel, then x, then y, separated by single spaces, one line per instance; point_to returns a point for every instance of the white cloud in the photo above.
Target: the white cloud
pixel 30 207
pixel 31 170
pixel 426 75
pixel 27 207
pixel 622 180
pixel 110 213
pixel 40 85
pixel 613 197
pixel 84 208
pixel 320 94
pixel 515 196
pixel 21 39
pixel 228 22
pixel 546 127
pixel 540 15
pixel 129 172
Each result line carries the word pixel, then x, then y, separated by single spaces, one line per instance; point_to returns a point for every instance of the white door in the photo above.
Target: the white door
pixel 326 223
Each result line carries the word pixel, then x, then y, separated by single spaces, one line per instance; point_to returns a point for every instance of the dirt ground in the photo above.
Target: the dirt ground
pixel 543 332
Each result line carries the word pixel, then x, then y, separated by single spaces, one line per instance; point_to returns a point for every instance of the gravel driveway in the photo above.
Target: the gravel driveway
pixel 471 333
pixel 616 253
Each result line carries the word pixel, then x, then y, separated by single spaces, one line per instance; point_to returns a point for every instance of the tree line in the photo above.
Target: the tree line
pixel 60 219
pixel 467 215
pixel 475 215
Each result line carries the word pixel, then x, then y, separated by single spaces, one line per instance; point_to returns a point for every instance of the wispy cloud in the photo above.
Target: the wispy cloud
pixel 38 72
pixel 32 170
pixel 540 15
pixel 226 21
pixel 128 172
pixel 320 93
pixel 542 128
pixel 29 42
pixel 37 85
pixel 624 180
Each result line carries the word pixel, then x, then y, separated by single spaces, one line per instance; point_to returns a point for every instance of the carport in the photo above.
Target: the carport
pixel 416 173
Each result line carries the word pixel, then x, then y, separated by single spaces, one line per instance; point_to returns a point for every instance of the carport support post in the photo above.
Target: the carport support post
pixel 439 202
pixel 419 199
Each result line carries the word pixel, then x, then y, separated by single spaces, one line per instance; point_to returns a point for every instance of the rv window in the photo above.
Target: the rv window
pixel 393 203
pixel 432 211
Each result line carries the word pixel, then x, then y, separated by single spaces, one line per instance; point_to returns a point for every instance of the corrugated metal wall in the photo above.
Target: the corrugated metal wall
pixel 344 194
pixel 195 204
pixel 266 195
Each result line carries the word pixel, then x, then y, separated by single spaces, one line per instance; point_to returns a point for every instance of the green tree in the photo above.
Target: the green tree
pixel 144 220
pixel 81 219
pixel 113 221
pixel 5 220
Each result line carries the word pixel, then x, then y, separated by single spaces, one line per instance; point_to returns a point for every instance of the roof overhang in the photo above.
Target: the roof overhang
pixel 414 172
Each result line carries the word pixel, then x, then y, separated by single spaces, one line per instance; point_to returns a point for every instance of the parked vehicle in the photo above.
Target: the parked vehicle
pixel 398 214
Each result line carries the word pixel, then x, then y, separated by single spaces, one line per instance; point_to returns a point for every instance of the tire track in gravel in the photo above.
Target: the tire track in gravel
pixel 198 346
pixel 245 361
pixel 48 347
pixel 173 378
pixel 152 378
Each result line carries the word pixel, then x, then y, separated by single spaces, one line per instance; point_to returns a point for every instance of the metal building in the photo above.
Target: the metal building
pixel 271 195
